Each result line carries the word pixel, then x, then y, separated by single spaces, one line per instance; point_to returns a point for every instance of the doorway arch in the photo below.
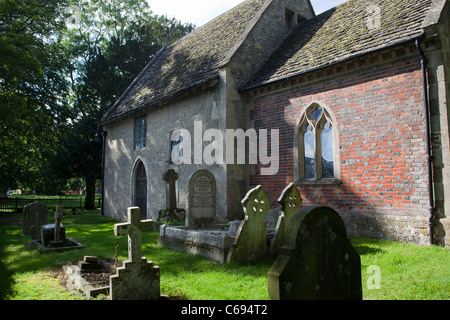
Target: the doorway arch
pixel 140 189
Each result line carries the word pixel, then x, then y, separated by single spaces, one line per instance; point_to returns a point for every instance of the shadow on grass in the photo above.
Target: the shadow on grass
pixel 97 234
pixel 5 279
pixel 177 263
pixel 17 256
pixel 364 246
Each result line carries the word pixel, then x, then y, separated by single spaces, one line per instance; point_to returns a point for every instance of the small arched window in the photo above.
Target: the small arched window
pixel 317 145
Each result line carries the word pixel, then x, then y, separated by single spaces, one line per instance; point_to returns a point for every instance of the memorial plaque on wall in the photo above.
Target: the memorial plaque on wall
pixel 202 199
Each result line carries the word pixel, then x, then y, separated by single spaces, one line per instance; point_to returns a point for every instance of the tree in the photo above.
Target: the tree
pixel 32 85
pixel 56 82
pixel 113 43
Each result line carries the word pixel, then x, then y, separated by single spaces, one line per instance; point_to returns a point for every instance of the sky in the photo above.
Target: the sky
pixel 200 12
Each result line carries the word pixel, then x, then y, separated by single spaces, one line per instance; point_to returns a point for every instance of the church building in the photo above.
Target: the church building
pixel 350 105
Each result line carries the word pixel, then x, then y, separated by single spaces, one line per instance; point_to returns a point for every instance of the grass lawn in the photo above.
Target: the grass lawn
pixel 406 272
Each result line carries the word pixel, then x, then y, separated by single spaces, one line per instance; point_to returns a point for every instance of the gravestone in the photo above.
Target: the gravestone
pixel 250 244
pixel 171 211
pixel 34 216
pixel 137 279
pixel 317 260
pixel 202 200
pixel 58 238
pixel 54 235
pixel 170 177
pixel 289 202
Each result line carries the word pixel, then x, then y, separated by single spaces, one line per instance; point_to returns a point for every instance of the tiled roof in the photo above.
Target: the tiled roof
pixel 190 62
pixel 343 32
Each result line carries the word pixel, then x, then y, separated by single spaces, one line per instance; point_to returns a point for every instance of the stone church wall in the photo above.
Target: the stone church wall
pixel 383 169
pixel 264 37
pixel 444 120
pixel 122 158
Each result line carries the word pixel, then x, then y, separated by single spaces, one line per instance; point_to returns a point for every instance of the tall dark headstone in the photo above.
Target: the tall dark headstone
pixel 317 260
pixel 34 216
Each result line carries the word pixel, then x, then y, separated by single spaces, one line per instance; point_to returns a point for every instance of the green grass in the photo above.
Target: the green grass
pixel 407 271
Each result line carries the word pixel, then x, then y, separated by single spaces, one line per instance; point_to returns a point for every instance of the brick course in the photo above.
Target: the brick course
pixel 383 168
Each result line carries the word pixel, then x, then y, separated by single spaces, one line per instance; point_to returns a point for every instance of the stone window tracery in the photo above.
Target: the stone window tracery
pixel 317 145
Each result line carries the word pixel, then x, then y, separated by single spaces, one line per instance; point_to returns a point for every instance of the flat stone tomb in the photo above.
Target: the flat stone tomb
pixel 212 243
pixel 82 275
pixel 222 242
pixel 202 235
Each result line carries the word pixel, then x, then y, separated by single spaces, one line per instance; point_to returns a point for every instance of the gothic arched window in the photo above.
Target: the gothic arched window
pixel 317 145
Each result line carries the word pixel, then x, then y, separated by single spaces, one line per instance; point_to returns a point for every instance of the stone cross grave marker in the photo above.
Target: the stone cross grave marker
pixel 57 238
pixel 250 244
pixel 34 216
pixel 202 200
pixel 54 234
pixel 289 202
pixel 133 229
pixel 137 279
pixel 317 260
pixel 170 177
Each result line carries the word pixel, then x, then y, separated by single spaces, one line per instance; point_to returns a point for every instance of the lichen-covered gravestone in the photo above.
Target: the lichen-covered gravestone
pixel 202 200
pixel 317 260
pixel 250 244
pixel 289 202
pixel 34 216
pixel 137 279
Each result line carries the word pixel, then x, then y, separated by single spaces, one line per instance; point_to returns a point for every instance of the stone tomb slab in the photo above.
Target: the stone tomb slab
pixel 70 244
pixel 213 244
pixel 81 276
pixel 317 260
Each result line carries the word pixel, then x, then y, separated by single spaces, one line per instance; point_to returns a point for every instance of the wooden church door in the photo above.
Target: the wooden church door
pixel 140 198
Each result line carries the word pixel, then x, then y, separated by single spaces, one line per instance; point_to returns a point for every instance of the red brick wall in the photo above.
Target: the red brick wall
pixel 380 119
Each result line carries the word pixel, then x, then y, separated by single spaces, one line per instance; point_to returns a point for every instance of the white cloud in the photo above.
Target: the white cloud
pixel 200 12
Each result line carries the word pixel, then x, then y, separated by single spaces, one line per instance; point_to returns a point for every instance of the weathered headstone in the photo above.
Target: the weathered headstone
pixel 54 234
pixel 317 260
pixel 137 279
pixel 289 203
pixel 202 200
pixel 170 177
pixel 34 216
pixel 250 244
